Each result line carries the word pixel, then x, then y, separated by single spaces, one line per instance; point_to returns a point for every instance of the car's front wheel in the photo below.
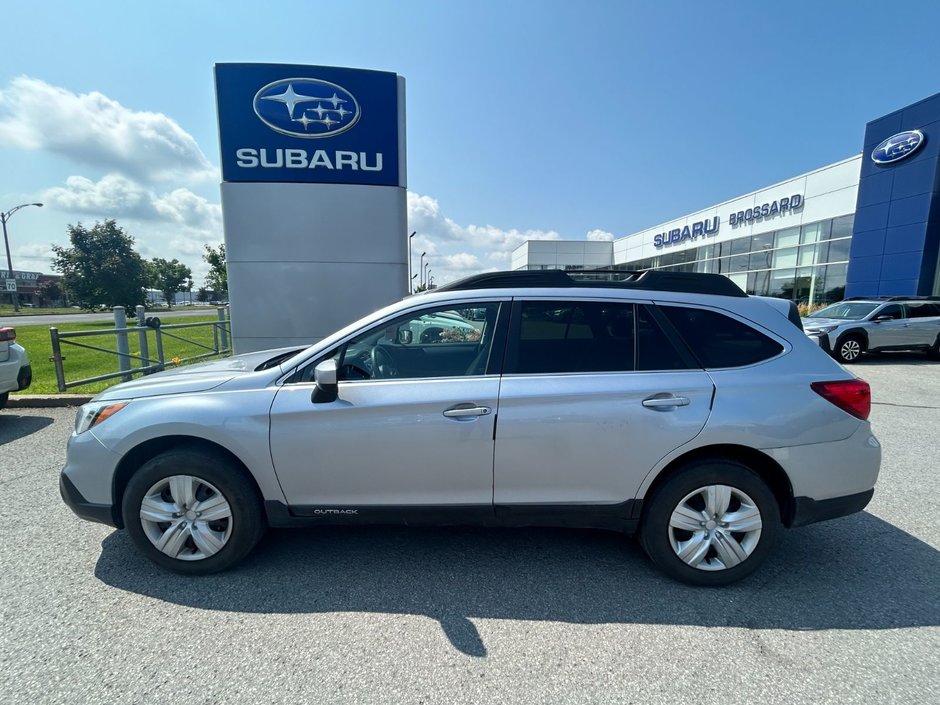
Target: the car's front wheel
pixel 192 511
pixel 850 349
pixel 932 354
pixel 4 398
pixel 712 523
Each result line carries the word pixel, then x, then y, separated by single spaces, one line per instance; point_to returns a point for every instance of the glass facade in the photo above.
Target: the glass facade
pixel 806 264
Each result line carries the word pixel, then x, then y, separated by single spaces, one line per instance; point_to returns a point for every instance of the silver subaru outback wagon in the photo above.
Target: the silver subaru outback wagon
pixel 669 405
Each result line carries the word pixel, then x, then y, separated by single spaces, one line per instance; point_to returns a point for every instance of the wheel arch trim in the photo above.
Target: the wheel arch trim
pixel 146 450
pixel 768 469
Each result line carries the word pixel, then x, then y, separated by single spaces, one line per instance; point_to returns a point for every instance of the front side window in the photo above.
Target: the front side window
pixel 572 336
pixel 443 341
pixel 894 311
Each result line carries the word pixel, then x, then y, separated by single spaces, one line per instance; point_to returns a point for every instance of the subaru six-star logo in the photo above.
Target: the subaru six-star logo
pixel 898 147
pixel 306 107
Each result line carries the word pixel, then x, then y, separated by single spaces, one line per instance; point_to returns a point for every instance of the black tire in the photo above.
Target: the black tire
pixel 849 349
pixel 932 354
pixel 656 535
pixel 4 398
pixel 247 513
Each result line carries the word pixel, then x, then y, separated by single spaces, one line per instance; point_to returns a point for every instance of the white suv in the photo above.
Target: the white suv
pixel 15 371
pixel 668 404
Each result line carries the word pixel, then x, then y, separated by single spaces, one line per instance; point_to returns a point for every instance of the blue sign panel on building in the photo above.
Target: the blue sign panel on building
pixel 309 124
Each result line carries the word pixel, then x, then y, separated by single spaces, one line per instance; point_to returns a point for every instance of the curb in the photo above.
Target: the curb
pixel 45 401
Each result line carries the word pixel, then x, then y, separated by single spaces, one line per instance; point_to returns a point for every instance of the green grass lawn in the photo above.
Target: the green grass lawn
pixel 81 363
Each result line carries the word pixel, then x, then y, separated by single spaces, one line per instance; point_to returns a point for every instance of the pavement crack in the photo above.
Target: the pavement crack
pixel 904 406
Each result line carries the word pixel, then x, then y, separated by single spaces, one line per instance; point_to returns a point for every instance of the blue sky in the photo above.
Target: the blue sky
pixel 525 119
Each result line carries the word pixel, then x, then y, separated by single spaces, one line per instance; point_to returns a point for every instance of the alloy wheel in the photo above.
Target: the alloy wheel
pixel 850 349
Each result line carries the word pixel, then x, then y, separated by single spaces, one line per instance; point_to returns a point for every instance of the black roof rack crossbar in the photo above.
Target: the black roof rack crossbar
pixel 686 282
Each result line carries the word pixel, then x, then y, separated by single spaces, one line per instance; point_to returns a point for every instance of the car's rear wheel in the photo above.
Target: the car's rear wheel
pixel 712 523
pixel 192 511
pixel 850 349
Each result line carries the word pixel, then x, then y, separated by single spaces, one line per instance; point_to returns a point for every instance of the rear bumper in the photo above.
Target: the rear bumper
pixel 809 511
pixel 100 513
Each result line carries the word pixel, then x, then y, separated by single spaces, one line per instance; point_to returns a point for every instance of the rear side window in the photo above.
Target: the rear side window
pixel 573 336
pixel 923 310
pixel 718 340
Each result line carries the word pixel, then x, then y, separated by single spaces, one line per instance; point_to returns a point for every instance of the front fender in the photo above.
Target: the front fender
pixel 238 420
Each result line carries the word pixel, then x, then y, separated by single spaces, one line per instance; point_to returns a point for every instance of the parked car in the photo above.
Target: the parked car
pixel 855 326
pixel 672 405
pixel 15 371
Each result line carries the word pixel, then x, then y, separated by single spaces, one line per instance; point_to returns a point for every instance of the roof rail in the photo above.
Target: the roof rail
pixel 893 298
pixel 687 282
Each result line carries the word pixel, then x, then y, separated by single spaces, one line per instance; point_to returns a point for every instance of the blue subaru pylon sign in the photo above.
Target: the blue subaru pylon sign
pixel 308 124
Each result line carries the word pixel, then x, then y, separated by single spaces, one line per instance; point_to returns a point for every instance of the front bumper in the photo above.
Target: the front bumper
pixel 822 340
pixel 101 513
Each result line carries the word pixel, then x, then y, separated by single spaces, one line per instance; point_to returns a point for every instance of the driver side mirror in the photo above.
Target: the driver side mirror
pixel 326 377
pixel 405 336
pixel 884 318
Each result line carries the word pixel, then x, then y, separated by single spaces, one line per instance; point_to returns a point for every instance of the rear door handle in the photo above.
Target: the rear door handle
pixel 463 412
pixel 665 401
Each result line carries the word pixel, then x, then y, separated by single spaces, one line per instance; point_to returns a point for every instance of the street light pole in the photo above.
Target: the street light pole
pixel 410 238
pixel 421 270
pixel 4 217
pixel 427 267
pixel 430 278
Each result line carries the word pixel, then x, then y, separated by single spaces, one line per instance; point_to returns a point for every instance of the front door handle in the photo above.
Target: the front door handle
pixel 665 401
pixel 463 412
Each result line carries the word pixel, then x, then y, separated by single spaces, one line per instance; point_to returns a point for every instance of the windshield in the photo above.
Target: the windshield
pixel 848 311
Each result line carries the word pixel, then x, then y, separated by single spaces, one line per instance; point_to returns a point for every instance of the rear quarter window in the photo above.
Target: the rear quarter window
pixel 718 340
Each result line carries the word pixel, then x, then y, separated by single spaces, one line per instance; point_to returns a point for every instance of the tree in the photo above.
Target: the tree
pixel 101 267
pixel 49 292
pixel 217 278
pixel 202 294
pixel 169 276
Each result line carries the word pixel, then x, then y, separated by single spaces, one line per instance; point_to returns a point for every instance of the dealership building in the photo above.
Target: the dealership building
pixel 864 226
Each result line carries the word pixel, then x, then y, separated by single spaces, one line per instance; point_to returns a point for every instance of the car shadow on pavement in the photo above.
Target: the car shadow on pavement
pixel 14 427
pixel 858 572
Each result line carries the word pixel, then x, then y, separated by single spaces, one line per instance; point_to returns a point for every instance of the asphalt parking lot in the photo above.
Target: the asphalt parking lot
pixel 844 612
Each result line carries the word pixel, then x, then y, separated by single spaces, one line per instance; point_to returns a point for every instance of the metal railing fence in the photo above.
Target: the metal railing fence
pixel 221 338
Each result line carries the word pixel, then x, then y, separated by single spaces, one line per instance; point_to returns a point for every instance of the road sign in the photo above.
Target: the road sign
pixel 11 285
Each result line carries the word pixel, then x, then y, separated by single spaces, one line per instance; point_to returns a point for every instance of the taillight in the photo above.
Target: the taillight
pixel 852 396
pixel 7 335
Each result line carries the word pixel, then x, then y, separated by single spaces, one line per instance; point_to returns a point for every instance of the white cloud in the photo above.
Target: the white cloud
pixel 600 236
pixel 456 250
pixel 177 224
pixel 116 196
pixel 95 130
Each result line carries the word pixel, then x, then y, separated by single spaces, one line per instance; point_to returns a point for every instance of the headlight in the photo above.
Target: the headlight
pixel 91 415
pixel 821 329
